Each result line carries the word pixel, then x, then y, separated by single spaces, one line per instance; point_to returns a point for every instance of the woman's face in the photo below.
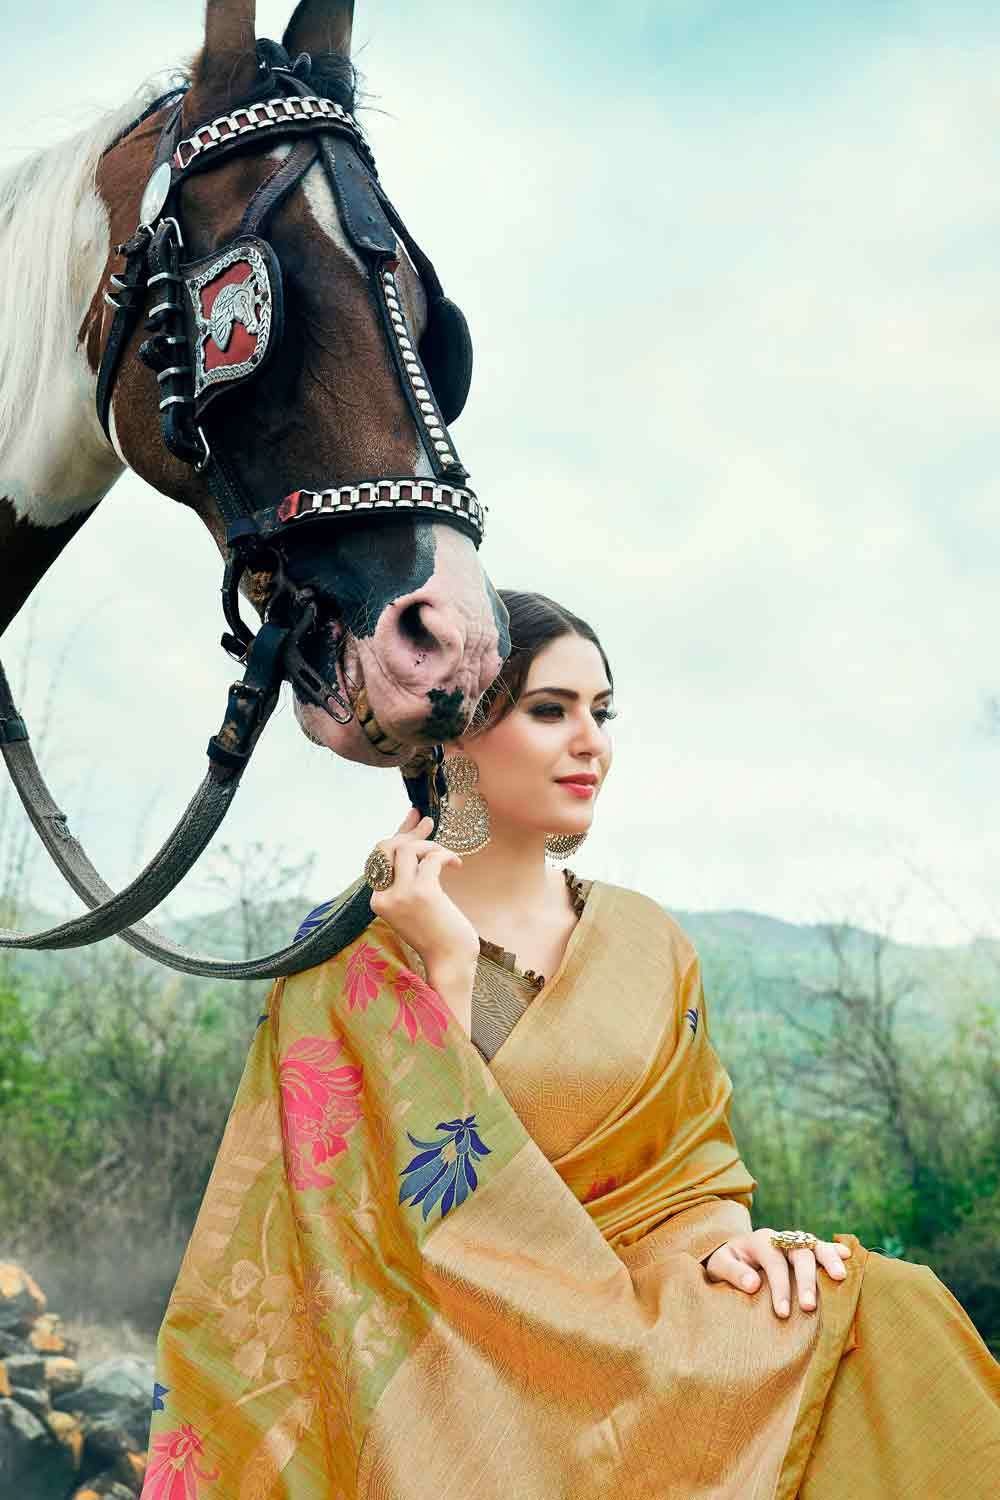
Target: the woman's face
pixel 541 767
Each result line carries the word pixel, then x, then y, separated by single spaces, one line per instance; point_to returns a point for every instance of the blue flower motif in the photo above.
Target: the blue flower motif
pixel 315 919
pixel 691 1017
pixel 444 1169
pixel 159 1391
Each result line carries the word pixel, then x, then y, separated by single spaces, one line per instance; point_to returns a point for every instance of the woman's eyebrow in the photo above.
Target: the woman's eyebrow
pixel 557 692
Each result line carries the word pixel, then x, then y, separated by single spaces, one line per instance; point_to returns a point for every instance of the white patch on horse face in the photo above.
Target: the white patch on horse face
pixel 319 196
pixel 323 207
pixel 55 461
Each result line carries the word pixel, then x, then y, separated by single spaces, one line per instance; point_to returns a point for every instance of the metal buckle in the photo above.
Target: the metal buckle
pixel 203 462
pixel 177 232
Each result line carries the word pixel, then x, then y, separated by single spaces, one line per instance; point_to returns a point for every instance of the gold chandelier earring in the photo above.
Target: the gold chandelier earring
pixel 465 829
pixel 562 845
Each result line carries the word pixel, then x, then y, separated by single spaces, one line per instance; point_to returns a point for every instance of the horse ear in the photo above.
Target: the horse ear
pixel 227 64
pixel 319 26
pixel 229 26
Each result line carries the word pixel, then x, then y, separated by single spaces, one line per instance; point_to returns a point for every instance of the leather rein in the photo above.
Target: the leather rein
pixel 213 324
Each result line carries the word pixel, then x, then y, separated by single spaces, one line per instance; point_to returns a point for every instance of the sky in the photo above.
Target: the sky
pixel 731 274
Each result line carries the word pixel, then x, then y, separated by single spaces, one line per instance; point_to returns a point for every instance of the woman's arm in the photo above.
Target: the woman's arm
pixel 419 911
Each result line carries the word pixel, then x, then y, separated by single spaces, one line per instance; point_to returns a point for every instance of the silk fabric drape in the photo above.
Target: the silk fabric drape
pixel 418 1277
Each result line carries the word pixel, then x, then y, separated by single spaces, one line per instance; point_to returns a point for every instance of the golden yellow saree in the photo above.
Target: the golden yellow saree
pixel 419 1276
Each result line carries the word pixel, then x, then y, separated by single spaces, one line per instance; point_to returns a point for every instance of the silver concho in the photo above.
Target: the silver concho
pixel 154 195
pixel 236 303
pixel 247 302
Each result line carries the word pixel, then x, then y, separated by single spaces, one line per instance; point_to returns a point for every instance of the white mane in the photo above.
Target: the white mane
pixel 54 460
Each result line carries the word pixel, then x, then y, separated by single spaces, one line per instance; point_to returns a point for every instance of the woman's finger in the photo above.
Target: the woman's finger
pixel 404 867
pixel 430 865
pixel 422 848
pixel 418 846
pixel 775 1267
pixel 723 1265
pixel 804 1266
pixel 414 826
pixel 831 1258
pixel 407 855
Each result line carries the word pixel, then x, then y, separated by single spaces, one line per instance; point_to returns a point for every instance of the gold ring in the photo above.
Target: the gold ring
pixel 793 1239
pixel 379 870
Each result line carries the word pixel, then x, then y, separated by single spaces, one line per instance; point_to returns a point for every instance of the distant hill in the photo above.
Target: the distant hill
pixel 752 962
pixel 755 964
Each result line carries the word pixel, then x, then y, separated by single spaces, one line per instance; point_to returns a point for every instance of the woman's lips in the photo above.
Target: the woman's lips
pixel 578 788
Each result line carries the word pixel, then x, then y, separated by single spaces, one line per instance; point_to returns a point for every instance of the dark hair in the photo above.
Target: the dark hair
pixel 535 622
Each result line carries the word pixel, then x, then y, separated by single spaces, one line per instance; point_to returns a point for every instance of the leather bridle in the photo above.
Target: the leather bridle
pixel 193 312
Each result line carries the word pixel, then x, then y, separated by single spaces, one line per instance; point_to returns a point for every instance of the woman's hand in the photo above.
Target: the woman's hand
pixel 417 908
pixel 740 1261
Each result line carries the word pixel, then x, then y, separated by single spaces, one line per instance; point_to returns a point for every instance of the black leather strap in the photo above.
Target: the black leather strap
pixel 131 301
pixel 116 913
pixel 361 213
pixel 276 188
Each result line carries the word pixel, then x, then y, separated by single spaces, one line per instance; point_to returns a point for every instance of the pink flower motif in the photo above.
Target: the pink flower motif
pixel 365 972
pixel 319 1106
pixel 599 1188
pixel 173 1471
pixel 420 1008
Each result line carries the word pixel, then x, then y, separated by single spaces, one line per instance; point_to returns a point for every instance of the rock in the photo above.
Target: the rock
pixel 104 1487
pixel 106 1442
pixel 130 1469
pixel 21 1299
pixel 11 1343
pixel 48 1338
pixel 110 1450
pixel 33 1464
pixel 62 1375
pixel 36 1401
pixel 67 1430
pixel 4 1382
pixel 115 1394
pixel 26 1370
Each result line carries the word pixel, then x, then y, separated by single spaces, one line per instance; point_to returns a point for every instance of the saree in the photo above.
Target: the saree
pixel 419 1275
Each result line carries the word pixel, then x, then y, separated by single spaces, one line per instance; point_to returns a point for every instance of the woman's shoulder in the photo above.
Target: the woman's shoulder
pixel 650 916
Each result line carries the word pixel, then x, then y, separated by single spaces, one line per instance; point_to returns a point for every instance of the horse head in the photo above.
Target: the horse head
pixel 288 374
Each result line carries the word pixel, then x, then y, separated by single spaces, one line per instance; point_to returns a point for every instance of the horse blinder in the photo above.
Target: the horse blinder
pixel 446 351
pixel 234 312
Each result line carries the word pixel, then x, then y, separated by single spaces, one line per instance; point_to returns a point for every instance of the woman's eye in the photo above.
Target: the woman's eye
pixel 548 710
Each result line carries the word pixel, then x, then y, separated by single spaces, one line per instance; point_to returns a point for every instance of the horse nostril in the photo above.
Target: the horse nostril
pixel 413 629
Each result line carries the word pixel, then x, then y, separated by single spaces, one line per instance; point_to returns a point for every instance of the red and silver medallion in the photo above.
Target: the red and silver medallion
pixel 232 301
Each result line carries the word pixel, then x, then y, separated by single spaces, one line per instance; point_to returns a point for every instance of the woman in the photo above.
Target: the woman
pixel 477 1233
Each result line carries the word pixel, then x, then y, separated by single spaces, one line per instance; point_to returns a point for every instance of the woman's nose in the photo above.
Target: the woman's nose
pixel 589 738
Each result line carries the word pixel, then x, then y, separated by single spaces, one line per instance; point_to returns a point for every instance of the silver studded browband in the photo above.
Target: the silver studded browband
pixel 387 495
pixel 253 117
pixel 435 433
